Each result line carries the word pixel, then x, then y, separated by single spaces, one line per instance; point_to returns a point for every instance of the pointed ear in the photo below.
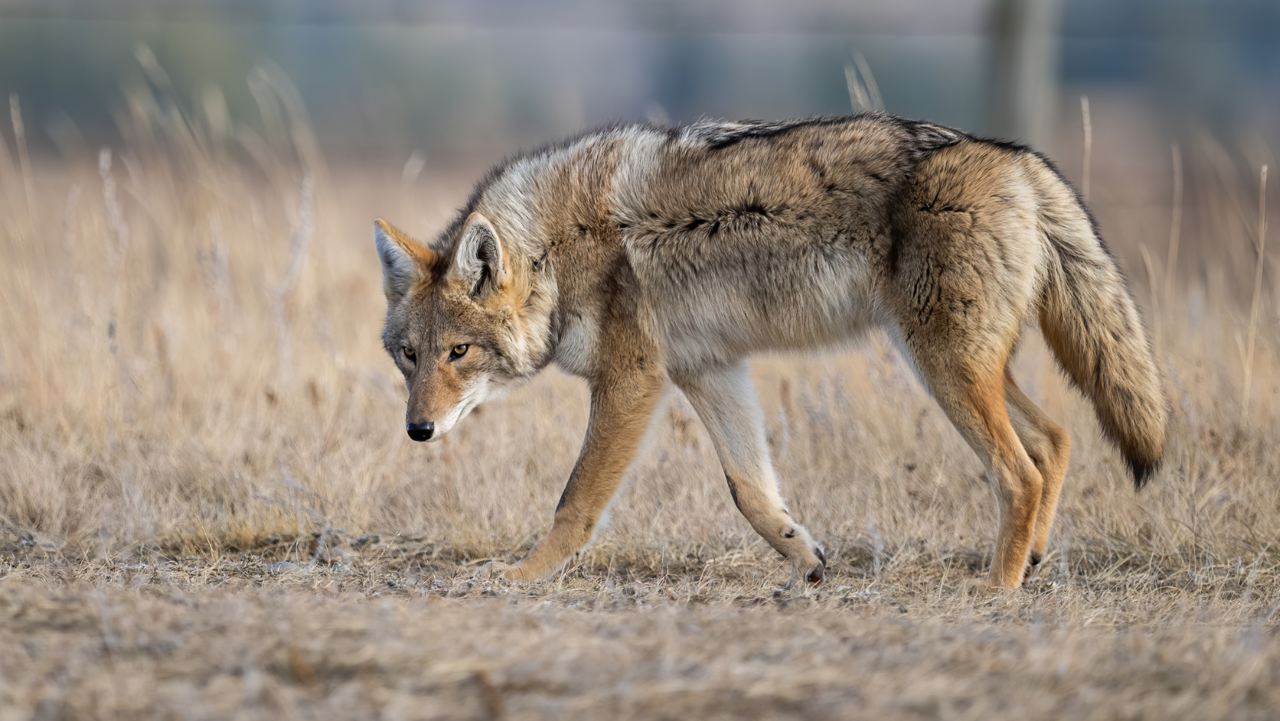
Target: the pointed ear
pixel 480 259
pixel 404 262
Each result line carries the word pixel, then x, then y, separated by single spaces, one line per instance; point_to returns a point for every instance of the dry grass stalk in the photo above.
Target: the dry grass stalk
pixel 1257 295
pixel 1088 146
pixel 299 247
pixel 20 142
pixel 863 91
pixel 1175 227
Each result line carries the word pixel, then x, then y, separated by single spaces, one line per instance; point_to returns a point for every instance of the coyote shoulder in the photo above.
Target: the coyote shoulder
pixel 645 259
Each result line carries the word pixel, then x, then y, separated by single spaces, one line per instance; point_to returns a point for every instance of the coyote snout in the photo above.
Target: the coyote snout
pixel 421 431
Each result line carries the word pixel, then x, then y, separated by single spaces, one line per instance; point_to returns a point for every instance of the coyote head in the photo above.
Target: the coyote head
pixel 465 323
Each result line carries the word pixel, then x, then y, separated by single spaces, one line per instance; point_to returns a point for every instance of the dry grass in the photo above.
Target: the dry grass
pixel 235 642
pixel 192 388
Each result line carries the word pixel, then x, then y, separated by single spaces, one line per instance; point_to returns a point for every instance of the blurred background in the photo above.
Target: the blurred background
pixel 450 77
pixel 457 85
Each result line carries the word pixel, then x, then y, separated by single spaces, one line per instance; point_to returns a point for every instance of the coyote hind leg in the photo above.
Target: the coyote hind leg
pixel 1049 447
pixel 974 400
pixel 725 400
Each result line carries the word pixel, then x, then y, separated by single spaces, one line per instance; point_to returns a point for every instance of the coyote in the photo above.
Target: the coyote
pixel 645 258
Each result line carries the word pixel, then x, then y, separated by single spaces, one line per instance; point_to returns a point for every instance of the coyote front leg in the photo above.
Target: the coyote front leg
pixel 725 400
pixel 622 409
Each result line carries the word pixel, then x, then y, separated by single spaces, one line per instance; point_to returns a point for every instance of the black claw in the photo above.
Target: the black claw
pixel 816 575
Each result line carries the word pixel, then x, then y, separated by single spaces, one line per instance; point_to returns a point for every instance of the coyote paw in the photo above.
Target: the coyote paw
pixel 498 569
pixel 814 575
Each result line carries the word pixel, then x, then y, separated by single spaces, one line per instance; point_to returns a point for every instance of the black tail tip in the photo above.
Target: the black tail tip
pixel 1142 471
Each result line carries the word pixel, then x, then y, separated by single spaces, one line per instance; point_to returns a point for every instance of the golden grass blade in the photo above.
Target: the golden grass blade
pixel 1256 305
pixel 1088 146
pixel 20 142
pixel 1175 227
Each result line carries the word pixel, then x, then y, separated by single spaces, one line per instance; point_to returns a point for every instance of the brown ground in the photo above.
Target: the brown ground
pixel 399 630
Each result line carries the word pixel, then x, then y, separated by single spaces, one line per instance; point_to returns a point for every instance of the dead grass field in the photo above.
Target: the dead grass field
pixel 192 392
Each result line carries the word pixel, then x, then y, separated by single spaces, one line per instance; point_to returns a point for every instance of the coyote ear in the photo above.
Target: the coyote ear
pixel 480 260
pixel 404 262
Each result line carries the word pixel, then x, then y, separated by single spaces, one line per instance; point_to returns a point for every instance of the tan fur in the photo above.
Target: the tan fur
pixel 643 259
pixel 1049 447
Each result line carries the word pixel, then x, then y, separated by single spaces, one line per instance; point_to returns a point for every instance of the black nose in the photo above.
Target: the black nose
pixel 421 431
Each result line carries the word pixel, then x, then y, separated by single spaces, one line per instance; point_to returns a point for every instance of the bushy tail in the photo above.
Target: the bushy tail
pixel 1090 321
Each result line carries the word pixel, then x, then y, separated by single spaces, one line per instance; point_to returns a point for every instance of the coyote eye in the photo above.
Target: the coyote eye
pixel 408 353
pixel 458 351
